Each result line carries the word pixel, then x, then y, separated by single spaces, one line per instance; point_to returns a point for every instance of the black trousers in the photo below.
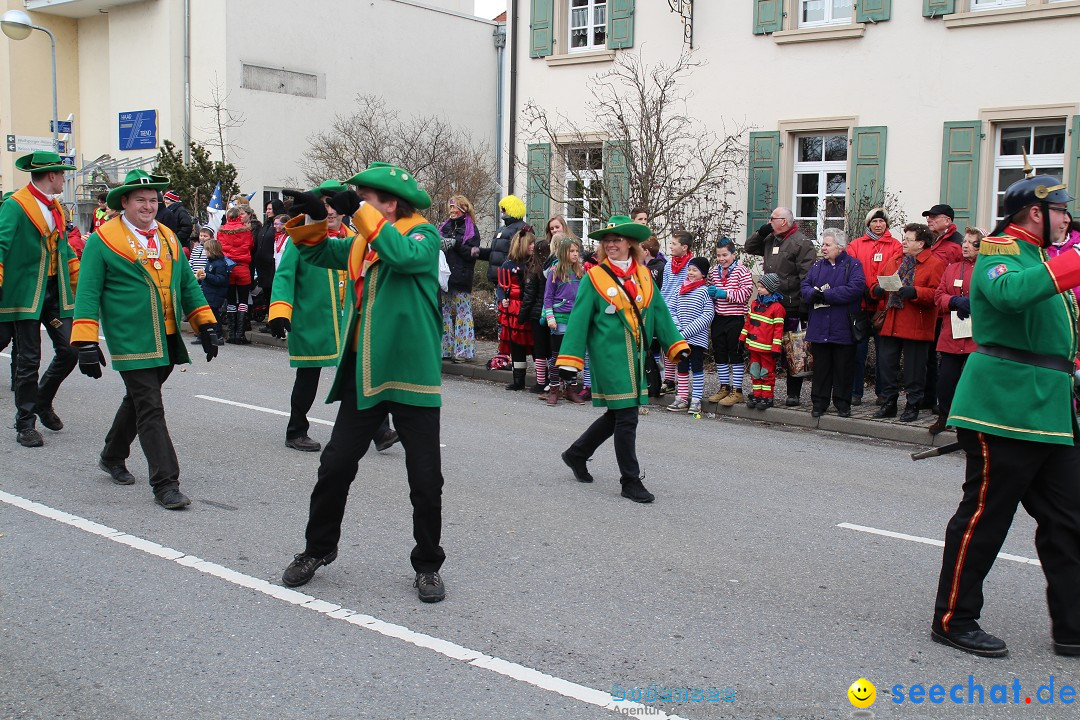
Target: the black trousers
pixel 952 364
pixel 623 425
pixel 930 393
pixel 834 372
pixel 142 414
pixel 304 390
pixel 353 432
pixel 541 341
pixel 29 393
pixel 1001 473
pixel 914 354
pixel 7 337
pixel 725 331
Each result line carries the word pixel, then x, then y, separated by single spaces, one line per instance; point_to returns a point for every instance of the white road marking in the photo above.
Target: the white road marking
pixel 512 670
pixel 929 541
pixel 259 408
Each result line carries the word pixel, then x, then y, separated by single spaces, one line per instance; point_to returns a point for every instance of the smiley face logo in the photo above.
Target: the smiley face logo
pixel 862 693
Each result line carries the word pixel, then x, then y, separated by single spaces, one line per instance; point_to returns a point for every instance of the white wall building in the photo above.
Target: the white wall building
pixel 933 98
pixel 285 67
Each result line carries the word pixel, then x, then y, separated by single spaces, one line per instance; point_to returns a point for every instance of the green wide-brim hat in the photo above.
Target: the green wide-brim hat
pixel 135 180
pixel 394 180
pixel 8 194
pixel 623 225
pixel 42 161
pixel 329 188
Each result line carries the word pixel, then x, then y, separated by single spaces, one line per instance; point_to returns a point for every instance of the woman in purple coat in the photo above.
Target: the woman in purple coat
pixel 832 289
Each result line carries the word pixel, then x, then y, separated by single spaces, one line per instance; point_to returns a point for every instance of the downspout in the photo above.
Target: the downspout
pixel 187 81
pixel 500 77
pixel 511 171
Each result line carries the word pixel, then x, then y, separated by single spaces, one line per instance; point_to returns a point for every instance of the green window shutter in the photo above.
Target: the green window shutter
pixel 1073 170
pixel 540 28
pixel 960 169
pixel 768 16
pixel 763 185
pixel 937 8
pixel 868 168
pixel 620 24
pixel 873 10
pixel 616 179
pixel 538 184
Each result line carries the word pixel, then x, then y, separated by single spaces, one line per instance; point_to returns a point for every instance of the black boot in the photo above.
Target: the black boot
pixel 230 327
pixel 887 410
pixel 911 413
pixel 519 380
pixel 238 331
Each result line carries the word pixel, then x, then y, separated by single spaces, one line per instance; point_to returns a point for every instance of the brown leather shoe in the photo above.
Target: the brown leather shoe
pixel 939 425
pixel 553 395
pixel 571 393
pixel 303 444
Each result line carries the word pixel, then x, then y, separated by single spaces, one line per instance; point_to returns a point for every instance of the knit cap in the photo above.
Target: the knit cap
pixel 701 264
pixel 876 213
pixel 771 282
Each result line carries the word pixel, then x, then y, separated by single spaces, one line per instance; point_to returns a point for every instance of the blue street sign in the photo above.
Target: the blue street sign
pixel 138 130
pixel 68 159
pixel 63 126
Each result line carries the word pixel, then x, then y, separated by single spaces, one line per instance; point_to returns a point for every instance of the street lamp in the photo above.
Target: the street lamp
pixel 17 25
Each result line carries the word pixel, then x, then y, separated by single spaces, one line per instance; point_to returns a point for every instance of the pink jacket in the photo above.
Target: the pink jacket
pixel 1055 250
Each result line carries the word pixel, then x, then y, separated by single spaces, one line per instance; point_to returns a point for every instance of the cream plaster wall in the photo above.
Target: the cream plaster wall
pixel 909 73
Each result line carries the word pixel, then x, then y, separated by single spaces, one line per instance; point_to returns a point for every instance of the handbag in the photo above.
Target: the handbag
pixel 797 357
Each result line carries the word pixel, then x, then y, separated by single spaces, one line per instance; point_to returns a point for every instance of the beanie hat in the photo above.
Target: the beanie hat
pixel 701 264
pixel 875 214
pixel 771 282
pixel 512 206
pixel 277 206
pixel 727 242
pixel 172 197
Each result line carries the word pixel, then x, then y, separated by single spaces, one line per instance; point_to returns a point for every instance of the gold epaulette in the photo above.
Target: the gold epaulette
pixel 999 245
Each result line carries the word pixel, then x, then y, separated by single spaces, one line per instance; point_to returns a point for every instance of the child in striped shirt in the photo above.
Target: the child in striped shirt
pixel 692 312
pixel 730 286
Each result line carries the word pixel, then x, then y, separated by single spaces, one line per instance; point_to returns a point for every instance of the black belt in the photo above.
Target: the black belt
pixel 1050 362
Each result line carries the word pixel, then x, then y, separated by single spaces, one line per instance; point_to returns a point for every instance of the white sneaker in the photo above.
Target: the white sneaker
pixel 678 406
pixel 695 407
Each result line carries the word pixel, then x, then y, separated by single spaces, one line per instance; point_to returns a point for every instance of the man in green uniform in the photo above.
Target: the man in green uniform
pixel 136 280
pixel 38 275
pixel 1016 422
pixel 391 362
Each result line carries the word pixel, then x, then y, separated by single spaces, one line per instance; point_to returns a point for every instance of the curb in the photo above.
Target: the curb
pixel 857 427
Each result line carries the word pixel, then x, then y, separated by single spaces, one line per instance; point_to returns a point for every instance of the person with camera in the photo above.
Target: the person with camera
pixel 133 271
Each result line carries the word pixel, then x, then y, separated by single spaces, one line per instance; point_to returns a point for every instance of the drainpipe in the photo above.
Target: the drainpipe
pixel 187 81
pixel 500 78
pixel 513 20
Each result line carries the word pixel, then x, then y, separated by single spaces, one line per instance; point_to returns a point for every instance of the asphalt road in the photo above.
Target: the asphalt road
pixel 739 579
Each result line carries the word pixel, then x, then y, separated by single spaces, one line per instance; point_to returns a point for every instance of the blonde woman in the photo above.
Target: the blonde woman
pixel 459 240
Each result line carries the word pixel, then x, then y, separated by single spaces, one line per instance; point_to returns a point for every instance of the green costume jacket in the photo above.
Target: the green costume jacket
pixel 1020 300
pixel 396 332
pixel 115 287
pixel 310 298
pixel 617 347
pixel 24 260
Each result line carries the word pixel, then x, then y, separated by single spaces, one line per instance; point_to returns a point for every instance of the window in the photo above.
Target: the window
pixel 815 13
pixel 1045 146
pixel 995 4
pixel 584 189
pixel 588 25
pixel 820 182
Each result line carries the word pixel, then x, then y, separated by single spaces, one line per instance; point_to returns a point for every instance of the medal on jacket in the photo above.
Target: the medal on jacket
pixel 610 309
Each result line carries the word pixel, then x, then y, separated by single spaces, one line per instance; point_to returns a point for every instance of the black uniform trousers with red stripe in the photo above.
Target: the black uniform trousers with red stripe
pixel 1002 473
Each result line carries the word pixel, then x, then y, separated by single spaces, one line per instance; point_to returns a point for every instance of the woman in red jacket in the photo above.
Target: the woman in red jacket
pixel 952 298
pixel 910 317
pixel 238 243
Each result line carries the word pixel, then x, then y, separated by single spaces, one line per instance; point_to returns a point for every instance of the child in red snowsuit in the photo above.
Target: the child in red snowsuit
pixel 761 332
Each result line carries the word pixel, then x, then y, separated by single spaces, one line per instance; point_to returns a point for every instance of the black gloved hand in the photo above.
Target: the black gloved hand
pixel 906 293
pixel 280 327
pixel 306 203
pixel 877 292
pixel 765 230
pixel 962 306
pixel 208 338
pixel 346 203
pixel 91 360
pixel 818 298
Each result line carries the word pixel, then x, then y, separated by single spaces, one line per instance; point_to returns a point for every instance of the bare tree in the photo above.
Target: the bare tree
pixel 446 160
pixel 868 198
pixel 223 120
pixel 683 172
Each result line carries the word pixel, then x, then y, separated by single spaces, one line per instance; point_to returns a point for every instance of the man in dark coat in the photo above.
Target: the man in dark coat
pixel 173 215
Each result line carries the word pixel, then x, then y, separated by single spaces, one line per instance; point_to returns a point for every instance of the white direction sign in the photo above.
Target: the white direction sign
pixel 31 143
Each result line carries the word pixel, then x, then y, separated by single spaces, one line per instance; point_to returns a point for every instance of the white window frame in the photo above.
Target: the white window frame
pixel 585 223
pixel 590 10
pixel 981 5
pixel 823 168
pixel 1012 162
pixel 829 19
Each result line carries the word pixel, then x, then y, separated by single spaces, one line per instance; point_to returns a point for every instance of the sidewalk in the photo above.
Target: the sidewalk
pixel 861 423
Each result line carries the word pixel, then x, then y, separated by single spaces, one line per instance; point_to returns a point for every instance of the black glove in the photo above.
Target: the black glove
pixel 91 360
pixel 962 306
pixel 208 338
pixel 305 203
pixel 279 327
pixel 818 298
pixel 765 230
pixel 346 203
pixel 906 293
pixel 878 292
